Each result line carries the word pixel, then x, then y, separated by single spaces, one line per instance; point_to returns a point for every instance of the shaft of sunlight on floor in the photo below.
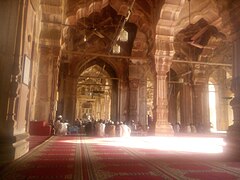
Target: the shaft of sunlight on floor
pixel 209 145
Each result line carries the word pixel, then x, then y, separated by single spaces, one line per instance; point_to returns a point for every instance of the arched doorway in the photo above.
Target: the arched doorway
pixel 220 95
pixel 88 90
pixel 94 92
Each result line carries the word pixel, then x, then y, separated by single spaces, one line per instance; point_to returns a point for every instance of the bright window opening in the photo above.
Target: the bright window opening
pixel 212 107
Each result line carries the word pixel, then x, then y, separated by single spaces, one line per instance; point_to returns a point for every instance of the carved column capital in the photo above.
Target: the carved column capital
pixel 199 74
pixel 164 47
pixel 133 83
pixel 162 64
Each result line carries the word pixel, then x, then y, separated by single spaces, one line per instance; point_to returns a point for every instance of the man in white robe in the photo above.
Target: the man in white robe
pixel 102 129
pixel 57 127
pixel 64 128
pixel 125 131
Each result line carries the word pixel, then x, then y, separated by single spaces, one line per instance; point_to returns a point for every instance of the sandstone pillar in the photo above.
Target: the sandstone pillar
pixel 69 98
pixel 186 107
pixel 201 117
pixel 233 133
pixel 133 104
pixel 123 100
pixel 163 127
pixel 143 103
pixel 201 108
pixel 115 101
pixel 134 74
pixel 137 94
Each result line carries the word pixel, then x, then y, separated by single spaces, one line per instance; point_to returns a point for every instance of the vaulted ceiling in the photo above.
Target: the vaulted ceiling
pixel 95 26
pixel 92 27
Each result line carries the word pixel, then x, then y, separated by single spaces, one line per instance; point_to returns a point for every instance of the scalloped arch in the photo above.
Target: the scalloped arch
pixel 109 67
pixel 165 27
pixel 137 17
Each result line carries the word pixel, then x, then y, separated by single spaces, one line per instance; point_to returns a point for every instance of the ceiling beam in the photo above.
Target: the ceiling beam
pixel 91 84
pixel 97 77
pixel 202 63
pixel 80 53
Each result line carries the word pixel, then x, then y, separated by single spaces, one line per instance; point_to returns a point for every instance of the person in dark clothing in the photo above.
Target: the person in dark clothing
pixel 89 128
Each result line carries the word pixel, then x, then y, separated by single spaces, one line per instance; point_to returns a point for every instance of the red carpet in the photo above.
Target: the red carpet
pixel 53 160
pixel 83 158
pixel 36 140
pixel 211 175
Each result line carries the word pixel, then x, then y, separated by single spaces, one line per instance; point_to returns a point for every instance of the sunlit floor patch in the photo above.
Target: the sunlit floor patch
pixel 208 145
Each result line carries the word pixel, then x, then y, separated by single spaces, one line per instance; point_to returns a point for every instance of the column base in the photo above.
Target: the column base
pixel 186 129
pixel 164 130
pixel 13 147
pixel 232 148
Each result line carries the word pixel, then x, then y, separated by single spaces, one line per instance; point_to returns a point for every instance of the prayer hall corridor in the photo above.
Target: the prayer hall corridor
pixel 119 89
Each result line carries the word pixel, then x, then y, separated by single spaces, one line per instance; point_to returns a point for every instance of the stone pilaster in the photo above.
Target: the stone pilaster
pixel 163 127
pixel 12 142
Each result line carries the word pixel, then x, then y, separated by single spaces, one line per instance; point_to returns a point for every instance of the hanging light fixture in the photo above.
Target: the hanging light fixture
pixel 116 49
pixel 123 35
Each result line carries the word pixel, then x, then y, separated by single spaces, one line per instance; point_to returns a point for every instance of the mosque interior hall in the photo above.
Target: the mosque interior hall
pixel 167 70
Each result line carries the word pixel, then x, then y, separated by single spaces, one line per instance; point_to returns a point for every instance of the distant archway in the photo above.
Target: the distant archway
pixel 100 84
pixel 220 95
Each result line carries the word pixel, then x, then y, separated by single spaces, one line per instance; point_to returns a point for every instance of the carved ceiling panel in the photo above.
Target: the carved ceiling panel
pixel 190 42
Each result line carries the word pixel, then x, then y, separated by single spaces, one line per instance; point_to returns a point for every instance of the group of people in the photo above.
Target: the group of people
pixel 98 128
pixel 107 129
pixel 191 128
